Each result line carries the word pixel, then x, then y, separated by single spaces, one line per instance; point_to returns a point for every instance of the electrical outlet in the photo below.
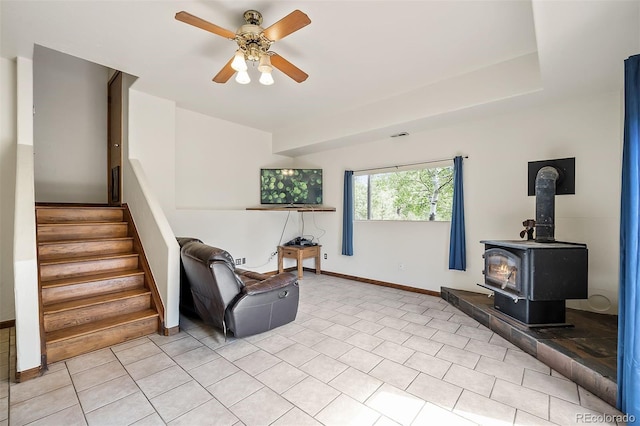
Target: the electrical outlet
pixel 238 261
pixel 401 266
pixel 325 256
pixel 244 260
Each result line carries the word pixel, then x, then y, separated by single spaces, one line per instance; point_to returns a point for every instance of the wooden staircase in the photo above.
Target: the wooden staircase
pixel 96 287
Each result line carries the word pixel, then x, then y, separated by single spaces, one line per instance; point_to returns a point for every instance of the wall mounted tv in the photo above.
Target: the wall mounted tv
pixel 291 186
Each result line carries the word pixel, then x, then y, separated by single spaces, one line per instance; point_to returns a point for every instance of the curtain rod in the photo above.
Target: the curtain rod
pixel 409 164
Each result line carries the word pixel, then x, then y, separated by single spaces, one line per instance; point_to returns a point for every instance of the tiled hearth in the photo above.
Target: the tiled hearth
pixel 585 353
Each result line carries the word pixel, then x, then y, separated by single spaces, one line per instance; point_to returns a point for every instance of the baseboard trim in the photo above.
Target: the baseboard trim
pixel 170 331
pixel 23 376
pixel 363 280
pixel 377 282
pixel 8 323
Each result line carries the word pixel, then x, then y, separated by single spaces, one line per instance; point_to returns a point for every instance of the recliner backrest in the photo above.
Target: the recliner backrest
pixel 214 283
pixel 186 298
pixel 229 284
pixel 224 273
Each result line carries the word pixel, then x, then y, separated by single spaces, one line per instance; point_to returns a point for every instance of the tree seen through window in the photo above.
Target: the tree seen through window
pixel 422 194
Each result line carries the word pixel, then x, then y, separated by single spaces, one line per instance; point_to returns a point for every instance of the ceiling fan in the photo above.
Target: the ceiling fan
pixel 254 43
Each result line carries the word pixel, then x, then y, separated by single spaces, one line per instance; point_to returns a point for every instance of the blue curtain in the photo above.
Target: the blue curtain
pixel 457 245
pixel 347 214
pixel 629 298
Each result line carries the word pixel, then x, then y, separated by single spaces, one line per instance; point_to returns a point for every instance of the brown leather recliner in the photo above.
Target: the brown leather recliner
pixel 243 302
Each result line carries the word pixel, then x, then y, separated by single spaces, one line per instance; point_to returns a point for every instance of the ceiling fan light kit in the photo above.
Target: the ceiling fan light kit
pixel 239 63
pixel 266 78
pixel 242 77
pixel 265 63
pixel 254 44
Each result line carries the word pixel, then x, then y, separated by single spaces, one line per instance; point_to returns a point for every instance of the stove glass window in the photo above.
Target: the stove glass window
pixel 501 268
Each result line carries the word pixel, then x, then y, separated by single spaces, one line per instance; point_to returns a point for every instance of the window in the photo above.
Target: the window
pixel 418 194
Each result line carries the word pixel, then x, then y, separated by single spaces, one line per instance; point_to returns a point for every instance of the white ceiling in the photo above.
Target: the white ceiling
pixel 357 53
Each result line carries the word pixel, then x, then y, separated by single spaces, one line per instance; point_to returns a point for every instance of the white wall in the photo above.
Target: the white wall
pixel 205 172
pixel 151 140
pixel 149 126
pixel 25 265
pixel 217 166
pixel 419 107
pixel 70 128
pixel 496 201
pixel 160 246
pixel 7 184
pixel 218 163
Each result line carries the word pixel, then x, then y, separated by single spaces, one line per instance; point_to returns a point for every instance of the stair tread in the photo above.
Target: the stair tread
pixel 94 300
pixel 84 240
pixel 78 279
pixel 89 268
pixel 62 206
pixel 75 259
pixel 81 223
pixel 92 327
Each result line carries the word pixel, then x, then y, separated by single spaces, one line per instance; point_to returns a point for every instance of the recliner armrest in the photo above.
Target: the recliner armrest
pixel 252 275
pixel 272 283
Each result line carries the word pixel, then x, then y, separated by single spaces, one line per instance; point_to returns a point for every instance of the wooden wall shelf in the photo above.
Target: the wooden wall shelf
pixel 295 209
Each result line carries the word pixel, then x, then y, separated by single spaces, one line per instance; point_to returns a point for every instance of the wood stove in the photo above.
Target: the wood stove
pixel 532 279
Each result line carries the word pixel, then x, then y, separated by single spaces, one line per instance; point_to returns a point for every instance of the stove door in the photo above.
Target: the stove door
pixel 502 268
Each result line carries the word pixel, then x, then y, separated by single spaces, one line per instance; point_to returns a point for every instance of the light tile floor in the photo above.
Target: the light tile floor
pixel 357 354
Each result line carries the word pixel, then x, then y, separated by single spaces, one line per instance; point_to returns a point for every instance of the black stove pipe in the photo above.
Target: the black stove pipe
pixel 545 204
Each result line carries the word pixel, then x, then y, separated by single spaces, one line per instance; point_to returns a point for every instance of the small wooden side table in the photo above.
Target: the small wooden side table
pixel 299 253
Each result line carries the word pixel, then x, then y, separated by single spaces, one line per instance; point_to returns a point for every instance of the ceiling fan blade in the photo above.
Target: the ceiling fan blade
pixel 287 25
pixel 288 68
pixel 188 18
pixel 225 73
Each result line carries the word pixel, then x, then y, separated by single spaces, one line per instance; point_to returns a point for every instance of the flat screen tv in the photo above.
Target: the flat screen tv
pixel 291 186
